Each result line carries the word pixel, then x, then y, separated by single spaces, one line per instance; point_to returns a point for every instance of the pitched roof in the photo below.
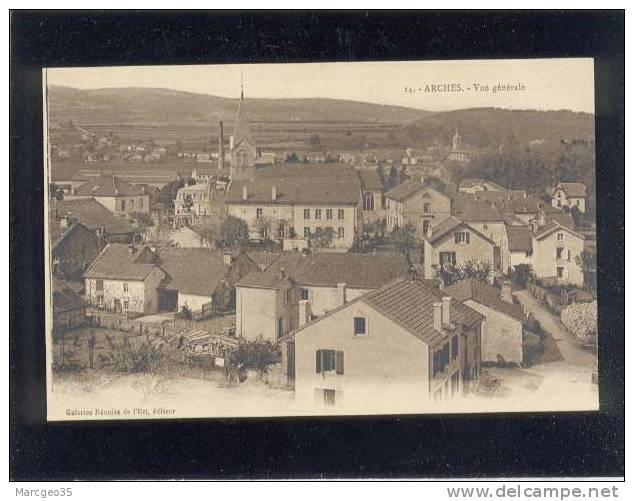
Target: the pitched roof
pixel 410 304
pixel 196 271
pixel 552 226
pixel 520 238
pixel 404 190
pixel 296 190
pixel 122 262
pixel 93 215
pixel 451 223
pixel 486 295
pixel 573 189
pixel 505 201
pixel 471 182
pixel 108 186
pixel 335 170
pixel 370 179
pixel 58 233
pixel 481 211
pixel 358 271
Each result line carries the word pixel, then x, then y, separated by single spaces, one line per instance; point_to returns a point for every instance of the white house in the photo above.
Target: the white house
pixel 569 195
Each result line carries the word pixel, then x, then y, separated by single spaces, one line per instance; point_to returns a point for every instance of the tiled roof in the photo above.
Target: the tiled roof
pixel 471 182
pixel 451 223
pixel 358 271
pixel 196 271
pixel 411 304
pixel 336 171
pixel 370 179
pixel 91 214
pixel 404 190
pixel 505 201
pixel 485 294
pixel 295 190
pixel 573 189
pixel 552 226
pixel 108 186
pixel 520 238
pixel 478 211
pixel 121 262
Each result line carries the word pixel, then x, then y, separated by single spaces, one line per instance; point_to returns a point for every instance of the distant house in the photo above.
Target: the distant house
pixel 504 326
pixel 290 201
pixel 201 277
pixel 555 248
pixel 458 153
pixel 416 204
pixel 94 216
pixel 519 244
pixel 118 196
pixel 267 300
pixel 569 195
pixel 124 279
pixel 195 200
pixel 454 242
pixel 403 341
pixel 187 238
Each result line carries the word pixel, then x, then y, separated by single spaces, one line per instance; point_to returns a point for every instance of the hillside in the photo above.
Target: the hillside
pixel 155 106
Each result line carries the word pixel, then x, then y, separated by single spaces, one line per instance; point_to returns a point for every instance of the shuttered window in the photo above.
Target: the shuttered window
pixel 329 361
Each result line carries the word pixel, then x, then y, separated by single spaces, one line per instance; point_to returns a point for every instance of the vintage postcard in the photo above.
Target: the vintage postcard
pixel 308 239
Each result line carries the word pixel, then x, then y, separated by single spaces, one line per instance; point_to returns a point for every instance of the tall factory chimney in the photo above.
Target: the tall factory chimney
pixel 221 147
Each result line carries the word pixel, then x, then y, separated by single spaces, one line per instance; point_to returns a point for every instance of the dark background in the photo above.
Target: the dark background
pixel 557 444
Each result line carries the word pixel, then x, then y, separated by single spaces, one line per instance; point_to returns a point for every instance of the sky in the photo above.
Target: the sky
pixel 542 84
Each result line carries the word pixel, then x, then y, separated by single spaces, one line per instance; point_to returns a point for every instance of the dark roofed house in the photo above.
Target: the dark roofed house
pixel 321 280
pixel 200 277
pixel 94 216
pixel 406 336
pixel 115 194
pixel 73 246
pixel 506 325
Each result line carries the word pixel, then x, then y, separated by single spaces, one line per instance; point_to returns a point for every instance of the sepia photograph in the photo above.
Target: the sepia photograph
pixel 307 239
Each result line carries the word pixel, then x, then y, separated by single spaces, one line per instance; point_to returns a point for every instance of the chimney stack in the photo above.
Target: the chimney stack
pixel 446 316
pixel 245 192
pixel 221 147
pixel 273 193
pixel 341 294
pixel 303 311
pixel 438 316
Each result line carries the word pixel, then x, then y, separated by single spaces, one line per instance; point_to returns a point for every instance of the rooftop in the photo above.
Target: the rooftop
pixel 91 214
pixel 485 294
pixel 370 180
pixel 449 224
pixel 358 271
pixel 573 189
pixel 108 186
pixel 122 262
pixel 520 238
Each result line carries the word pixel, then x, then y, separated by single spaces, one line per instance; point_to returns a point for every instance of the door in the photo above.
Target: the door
pixel 117 306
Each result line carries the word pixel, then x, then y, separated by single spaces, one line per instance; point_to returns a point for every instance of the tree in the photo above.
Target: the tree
pixel 322 238
pixel 587 261
pixel 406 240
pixel 254 354
pixel 293 158
pixel 581 319
pixel 474 268
pixel 521 274
pixel 381 173
pixel 233 231
pixel 392 179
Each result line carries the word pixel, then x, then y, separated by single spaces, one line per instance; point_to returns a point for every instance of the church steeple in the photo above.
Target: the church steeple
pixel 242 145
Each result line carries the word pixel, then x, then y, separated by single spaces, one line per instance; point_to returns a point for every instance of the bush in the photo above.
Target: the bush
pixel 581 319
pixel 143 356
pixel 254 354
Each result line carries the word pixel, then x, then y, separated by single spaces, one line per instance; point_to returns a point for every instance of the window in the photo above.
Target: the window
pixel 317 213
pixel 258 213
pixel 100 301
pixel 560 272
pixel 306 232
pixel 140 203
pixel 303 293
pixel 560 251
pixel 125 286
pixel 99 285
pixel 461 237
pixel 280 327
pixel 340 214
pixel 132 204
pixel 426 225
pixel 454 347
pixel 359 326
pixel 125 304
pixel 328 213
pixel 560 237
pixel 447 258
pixel 288 296
pixel 568 255
pixel 426 208
pixel 485 226
pixel 341 232
pixel 122 205
pixel 368 201
pixel 306 213
pixel 329 361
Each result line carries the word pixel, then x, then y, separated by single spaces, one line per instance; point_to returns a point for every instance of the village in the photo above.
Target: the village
pixel 333 281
